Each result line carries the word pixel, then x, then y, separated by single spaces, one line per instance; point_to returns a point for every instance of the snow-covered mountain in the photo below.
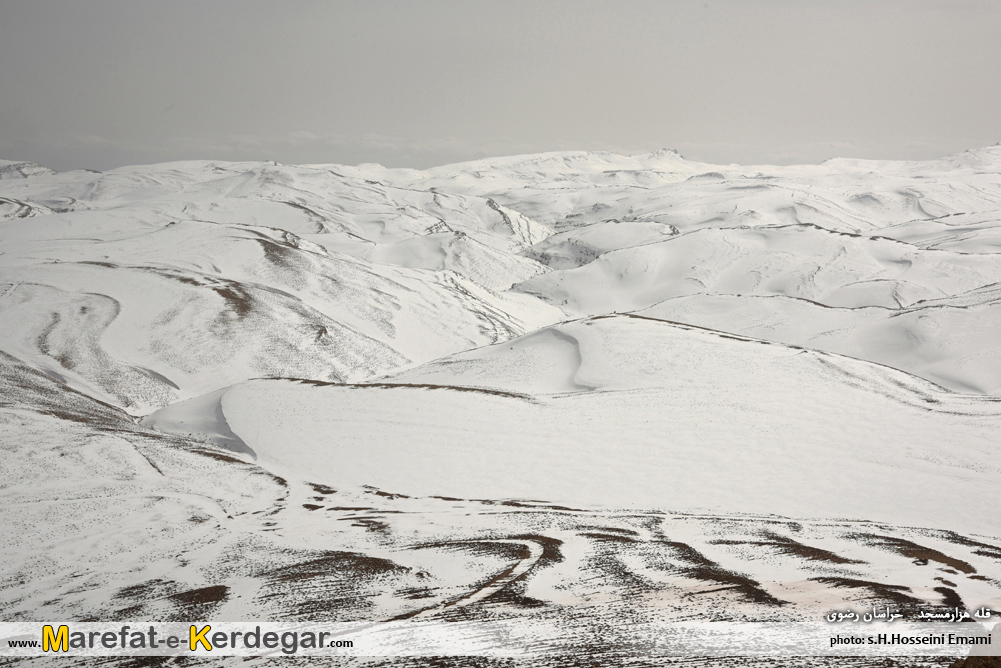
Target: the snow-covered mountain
pixel 148 285
pixel 246 390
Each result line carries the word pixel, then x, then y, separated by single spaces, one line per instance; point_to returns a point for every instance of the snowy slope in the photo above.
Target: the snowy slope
pixel 633 412
pixel 148 285
pixel 108 520
pixel 795 261
pixel 952 342
pixel 918 240
pixel 115 521
pixel 574 388
pixel 11 169
pixel 334 273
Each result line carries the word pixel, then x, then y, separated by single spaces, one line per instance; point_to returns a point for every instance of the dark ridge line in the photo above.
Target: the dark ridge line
pixel 825 522
pixel 422 386
pixel 301 207
pixel 843 234
pixel 765 519
pixel 801 299
pixel 878 237
pixel 985 287
pixel 156 376
pixel 536 506
pixel 719 333
pixel 148 460
pixel 866 237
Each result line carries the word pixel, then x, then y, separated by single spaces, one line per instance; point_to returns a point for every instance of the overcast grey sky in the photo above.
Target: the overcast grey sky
pixel 103 83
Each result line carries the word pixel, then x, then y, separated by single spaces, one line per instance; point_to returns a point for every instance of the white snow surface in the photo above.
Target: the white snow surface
pixel 628 412
pixel 771 388
pixel 148 285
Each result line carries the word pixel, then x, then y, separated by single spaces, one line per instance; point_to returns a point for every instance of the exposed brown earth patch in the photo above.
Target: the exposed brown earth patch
pixel 702 568
pixel 788 546
pixel 918 553
pixel 883 592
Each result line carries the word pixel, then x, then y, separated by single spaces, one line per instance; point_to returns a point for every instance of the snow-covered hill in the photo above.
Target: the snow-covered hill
pixel 148 285
pixel 630 412
pixel 611 378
